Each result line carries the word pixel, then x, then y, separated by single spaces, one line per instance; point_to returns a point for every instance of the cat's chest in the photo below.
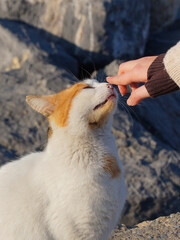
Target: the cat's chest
pixel 84 164
pixel 83 159
pixel 84 174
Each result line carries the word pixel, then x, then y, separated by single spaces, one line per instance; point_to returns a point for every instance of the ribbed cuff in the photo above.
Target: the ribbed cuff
pixel 159 82
pixel 172 63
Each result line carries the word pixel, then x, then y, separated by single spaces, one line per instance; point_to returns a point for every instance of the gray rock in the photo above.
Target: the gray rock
pixel 163 13
pixel 147 140
pixel 20 42
pixel 161 41
pixel 160 117
pixel 151 172
pixel 161 228
pixel 94 31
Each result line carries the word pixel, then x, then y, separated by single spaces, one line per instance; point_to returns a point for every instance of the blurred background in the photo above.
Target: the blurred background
pixel 45 45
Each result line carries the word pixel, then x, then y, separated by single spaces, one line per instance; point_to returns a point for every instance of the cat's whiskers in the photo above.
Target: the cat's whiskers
pixel 127 109
pixel 71 73
pixel 88 73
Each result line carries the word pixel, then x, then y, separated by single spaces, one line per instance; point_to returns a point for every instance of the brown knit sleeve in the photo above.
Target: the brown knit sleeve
pixel 159 82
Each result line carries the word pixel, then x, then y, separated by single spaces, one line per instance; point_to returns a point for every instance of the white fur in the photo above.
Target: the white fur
pixel 63 192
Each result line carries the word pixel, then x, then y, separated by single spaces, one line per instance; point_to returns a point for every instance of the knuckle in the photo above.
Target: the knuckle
pixel 130 76
pixel 137 70
pixel 138 67
pixel 121 66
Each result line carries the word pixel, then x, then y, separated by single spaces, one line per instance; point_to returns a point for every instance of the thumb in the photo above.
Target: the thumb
pixel 137 96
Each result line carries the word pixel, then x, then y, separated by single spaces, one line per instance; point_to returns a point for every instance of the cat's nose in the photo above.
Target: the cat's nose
pixel 110 86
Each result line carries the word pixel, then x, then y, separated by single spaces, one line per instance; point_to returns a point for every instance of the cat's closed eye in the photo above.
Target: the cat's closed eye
pixel 88 87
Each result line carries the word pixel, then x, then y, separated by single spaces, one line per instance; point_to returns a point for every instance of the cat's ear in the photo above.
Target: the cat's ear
pixel 41 104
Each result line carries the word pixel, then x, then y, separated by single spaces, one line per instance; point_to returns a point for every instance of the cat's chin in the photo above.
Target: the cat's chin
pixel 100 115
pixel 111 97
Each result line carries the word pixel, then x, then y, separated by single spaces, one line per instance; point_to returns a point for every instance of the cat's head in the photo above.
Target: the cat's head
pixel 88 104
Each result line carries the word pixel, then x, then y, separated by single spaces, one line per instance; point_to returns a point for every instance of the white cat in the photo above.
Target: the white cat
pixel 74 189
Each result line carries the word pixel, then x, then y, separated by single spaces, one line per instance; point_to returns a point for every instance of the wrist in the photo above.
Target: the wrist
pixel 159 82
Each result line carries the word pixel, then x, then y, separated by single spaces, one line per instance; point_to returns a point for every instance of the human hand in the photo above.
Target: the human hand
pixel 131 73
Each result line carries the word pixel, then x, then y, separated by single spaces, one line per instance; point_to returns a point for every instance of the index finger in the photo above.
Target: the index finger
pixel 113 80
pixel 124 79
pixel 135 75
pixel 122 88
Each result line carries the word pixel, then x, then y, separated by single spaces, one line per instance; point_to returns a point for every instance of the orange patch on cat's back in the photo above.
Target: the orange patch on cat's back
pixel 63 101
pixel 111 166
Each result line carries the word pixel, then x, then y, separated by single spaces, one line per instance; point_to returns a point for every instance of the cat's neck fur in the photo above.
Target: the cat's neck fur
pixel 64 140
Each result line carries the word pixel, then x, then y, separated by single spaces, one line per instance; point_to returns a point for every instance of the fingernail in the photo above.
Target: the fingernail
pixel 123 93
pixel 129 102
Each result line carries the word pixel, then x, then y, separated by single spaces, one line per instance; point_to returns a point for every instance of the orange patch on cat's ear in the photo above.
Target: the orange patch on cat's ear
pixel 111 166
pixel 63 102
pixel 56 107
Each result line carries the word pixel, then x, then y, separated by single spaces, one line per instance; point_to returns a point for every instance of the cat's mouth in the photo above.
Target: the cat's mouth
pixel 107 99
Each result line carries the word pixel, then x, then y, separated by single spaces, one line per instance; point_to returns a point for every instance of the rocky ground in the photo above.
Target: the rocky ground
pixel 43 49
pixel 161 228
